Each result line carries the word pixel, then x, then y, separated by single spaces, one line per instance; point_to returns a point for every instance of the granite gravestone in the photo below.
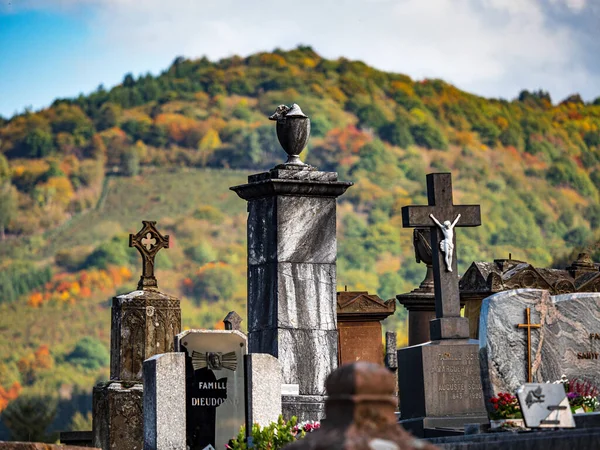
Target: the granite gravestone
pixel 439 381
pixel 567 341
pixel 215 401
pixel 292 251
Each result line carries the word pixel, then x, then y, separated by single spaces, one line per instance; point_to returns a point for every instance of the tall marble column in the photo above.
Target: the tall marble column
pixel 292 267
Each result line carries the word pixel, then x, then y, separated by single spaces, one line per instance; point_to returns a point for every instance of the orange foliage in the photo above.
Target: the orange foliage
pixel 7 396
pixel 348 140
pixel 67 288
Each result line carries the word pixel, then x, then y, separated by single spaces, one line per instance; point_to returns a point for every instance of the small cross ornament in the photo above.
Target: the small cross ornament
pixel 148 241
pixel 528 325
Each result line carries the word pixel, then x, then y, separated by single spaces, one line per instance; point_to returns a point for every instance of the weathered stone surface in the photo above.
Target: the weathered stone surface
pixel 233 321
pixel 306 356
pixel 391 350
pixel 144 324
pixel 440 378
pixel 39 446
pixel 164 402
pixel 291 271
pixel 118 416
pixel 291 229
pixel 215 386
pixel 568 341
pixel 303 407
pixel 263 389
pixel 360 410
pixel 360 341
pixel 302 296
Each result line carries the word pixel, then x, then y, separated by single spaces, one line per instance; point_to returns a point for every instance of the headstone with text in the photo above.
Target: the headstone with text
pixel 215 400
pixel 530 334
pixel 439 383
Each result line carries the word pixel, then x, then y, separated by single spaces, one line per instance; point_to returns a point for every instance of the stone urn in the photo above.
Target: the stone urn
pixel 293 130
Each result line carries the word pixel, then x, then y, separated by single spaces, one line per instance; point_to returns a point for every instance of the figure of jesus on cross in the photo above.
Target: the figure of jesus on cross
pixel 447 244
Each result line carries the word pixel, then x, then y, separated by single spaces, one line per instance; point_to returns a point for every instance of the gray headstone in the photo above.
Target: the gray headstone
pixel 164 402
pixel 263 394
pixel 215 400
pixel 545 405
pixel 567 341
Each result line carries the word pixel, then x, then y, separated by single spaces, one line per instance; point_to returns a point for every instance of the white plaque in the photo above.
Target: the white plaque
pixel 545 405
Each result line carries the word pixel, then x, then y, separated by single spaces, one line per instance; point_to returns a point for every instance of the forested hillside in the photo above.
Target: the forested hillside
pixel 76 177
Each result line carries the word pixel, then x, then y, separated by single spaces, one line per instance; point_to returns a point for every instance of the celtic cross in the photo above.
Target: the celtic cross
pixel 148 241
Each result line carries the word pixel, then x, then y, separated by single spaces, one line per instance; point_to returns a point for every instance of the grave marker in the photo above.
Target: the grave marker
pixel 215 400
pixel 439 381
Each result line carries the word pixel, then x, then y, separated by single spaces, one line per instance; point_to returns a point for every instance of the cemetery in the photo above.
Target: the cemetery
pixel 517 370
pixel 503 356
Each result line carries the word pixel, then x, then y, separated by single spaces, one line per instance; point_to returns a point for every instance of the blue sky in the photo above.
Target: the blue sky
pixel 495 48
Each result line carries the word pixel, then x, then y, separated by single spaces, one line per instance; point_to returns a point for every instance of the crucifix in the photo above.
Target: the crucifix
pixel 441 216
pixel 529 326
pixel 148 241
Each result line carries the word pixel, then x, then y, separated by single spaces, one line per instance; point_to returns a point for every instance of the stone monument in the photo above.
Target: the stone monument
pixel 439 381
pixel 360 411
pixel 528 335
pixel 292 266
pixel 144 323
pixel 359 316
pixel 215 384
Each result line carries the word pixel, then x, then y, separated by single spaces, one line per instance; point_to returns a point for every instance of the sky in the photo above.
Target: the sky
pixel 495 48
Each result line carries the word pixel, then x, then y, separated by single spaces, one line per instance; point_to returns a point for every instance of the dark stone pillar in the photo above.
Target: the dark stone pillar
pixel 292 271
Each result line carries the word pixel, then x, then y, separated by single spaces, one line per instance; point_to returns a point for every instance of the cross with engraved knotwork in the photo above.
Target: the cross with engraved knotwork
pixel 441 216
pixel 148 241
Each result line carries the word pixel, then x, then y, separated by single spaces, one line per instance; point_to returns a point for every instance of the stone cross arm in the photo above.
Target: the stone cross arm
pixel 148 241
pixel 418 216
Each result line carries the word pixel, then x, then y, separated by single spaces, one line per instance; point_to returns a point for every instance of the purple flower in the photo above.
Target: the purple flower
pixel 572 395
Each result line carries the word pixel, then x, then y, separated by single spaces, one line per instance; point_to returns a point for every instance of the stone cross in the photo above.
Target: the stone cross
pixel 529 326
pixel 448 324
pixel 148 241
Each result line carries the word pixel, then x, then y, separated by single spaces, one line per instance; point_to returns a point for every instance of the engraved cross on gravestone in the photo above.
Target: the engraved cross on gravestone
pixel 148 241
pixel 448 324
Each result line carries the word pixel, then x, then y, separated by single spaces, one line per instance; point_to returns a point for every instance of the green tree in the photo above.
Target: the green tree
pixel 8 206
pixel 29 417
pixel 37 143
pixel 108 116
pixel 214 283
pixel 89 353
pixel 428 135
pixel 202 253
pixel 397 133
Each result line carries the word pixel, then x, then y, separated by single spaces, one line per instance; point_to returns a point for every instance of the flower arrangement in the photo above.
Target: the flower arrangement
pixel 582 395
pixel 307 427
pixel 274 436
pixel 506 406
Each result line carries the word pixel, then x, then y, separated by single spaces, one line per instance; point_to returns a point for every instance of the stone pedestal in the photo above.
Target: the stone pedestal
pixel 292 271
pixel 359 317
pixel 118 416
pixel 443 385
pixel 144 323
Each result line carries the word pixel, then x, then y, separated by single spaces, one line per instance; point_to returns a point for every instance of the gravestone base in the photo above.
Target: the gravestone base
pixel 429 427
pixel 443 384
pixel 118 416
pixel 304 407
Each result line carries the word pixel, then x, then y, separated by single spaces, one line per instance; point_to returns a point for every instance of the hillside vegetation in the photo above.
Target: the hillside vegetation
pixel 77 177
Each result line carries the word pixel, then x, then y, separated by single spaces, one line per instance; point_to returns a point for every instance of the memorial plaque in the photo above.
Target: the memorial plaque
pixel 567 341
pixel 360 341
pixel 545 405
pixel 215 402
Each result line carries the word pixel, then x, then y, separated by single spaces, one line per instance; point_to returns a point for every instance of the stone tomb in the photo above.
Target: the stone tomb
pixel 215 400
pixel 563 338
pixel 359 317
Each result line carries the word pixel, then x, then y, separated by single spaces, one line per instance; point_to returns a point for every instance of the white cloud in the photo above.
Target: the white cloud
pixel 491 47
